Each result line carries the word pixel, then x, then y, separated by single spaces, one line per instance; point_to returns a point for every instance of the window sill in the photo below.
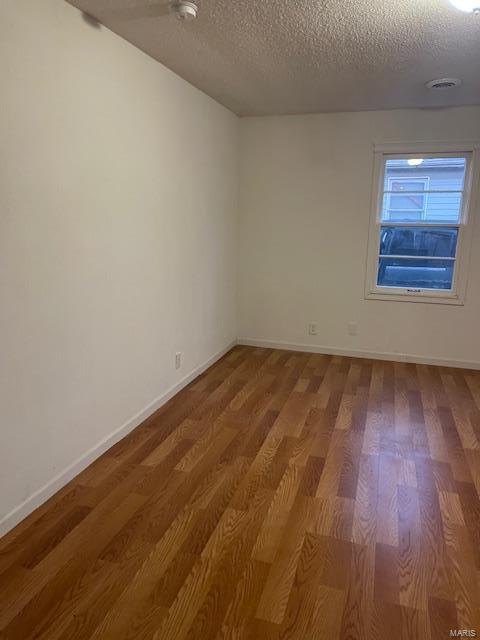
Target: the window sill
pixel 415 297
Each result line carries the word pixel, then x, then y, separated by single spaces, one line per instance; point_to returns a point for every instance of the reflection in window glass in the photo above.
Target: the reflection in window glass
pixel 438 242
pixel 415 273
pixel 430 192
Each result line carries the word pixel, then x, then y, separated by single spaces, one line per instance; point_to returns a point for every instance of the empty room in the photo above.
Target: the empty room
pixel 239 319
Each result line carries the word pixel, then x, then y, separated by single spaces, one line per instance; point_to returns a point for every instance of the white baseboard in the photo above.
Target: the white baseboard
pixel 40 496
pixel 358 353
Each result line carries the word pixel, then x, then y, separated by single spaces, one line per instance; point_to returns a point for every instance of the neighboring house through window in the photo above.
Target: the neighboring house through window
pixel 422 220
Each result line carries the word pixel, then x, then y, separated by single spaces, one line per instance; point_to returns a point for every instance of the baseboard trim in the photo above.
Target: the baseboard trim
pixel 20 512
pixel 358 353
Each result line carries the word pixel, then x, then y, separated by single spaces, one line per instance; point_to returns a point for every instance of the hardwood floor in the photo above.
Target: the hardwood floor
pixel 281 495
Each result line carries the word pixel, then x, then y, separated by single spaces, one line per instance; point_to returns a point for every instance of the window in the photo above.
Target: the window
pixel 406 198
pixel 421 223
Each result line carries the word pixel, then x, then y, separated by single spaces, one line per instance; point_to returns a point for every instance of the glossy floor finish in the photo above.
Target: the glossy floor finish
pixel 281 495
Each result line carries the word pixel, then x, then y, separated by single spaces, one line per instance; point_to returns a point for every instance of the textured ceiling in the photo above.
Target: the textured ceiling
pixel 261 57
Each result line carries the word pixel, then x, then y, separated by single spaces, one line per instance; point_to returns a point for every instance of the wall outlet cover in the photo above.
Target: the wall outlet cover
pixel 352 328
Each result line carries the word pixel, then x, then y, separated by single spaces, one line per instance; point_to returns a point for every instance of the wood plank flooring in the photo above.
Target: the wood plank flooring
pixel 280 496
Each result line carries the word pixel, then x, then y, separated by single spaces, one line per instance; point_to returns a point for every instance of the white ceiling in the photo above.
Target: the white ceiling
pixel 261 57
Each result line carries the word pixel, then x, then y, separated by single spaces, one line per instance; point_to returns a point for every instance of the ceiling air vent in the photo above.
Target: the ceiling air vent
pixel 443 83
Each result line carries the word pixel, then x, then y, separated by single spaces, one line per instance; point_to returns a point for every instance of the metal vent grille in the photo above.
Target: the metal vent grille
pixel 444 83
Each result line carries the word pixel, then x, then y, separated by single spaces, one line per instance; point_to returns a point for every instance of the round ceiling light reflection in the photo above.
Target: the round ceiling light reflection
pixel 469 6
pixel 415 162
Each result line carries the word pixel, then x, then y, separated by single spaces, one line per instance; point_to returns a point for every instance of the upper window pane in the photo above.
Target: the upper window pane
pixel 428 191
pixel 442 173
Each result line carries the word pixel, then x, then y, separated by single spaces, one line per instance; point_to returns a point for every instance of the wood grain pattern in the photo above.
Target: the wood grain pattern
pixel 279 496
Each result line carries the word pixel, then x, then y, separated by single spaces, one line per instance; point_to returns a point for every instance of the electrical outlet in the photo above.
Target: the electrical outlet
pixel 313 329
pixel 352 328
pixel 178 360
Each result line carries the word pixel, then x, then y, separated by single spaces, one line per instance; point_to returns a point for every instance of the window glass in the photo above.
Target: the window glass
pixel 418 241
pixel 427 192
pixel 443 172
pixel 415 273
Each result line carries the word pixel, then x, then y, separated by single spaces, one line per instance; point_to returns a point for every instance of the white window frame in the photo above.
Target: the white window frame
pixel 468 214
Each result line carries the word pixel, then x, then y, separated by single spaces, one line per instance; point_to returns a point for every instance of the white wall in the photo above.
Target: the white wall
pixel 118 187
pixel 304 218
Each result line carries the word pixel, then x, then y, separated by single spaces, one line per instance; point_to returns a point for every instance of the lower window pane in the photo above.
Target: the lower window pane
pixel 426 242
pixel 415 273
